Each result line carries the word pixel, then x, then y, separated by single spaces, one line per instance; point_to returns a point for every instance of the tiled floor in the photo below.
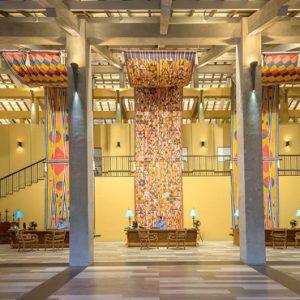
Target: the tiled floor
pixel 210 271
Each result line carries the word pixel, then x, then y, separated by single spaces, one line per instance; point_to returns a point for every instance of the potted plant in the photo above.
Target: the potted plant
pixel 32 225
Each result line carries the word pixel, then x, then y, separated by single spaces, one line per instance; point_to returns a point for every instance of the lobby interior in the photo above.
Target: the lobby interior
pixel 231 43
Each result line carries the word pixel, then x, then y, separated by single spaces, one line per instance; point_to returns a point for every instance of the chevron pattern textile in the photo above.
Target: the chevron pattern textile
pixel 280 68
pixel 36 68
pixel 158 78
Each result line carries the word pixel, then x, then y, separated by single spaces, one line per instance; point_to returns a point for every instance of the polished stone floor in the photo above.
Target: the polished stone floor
pixel 210 271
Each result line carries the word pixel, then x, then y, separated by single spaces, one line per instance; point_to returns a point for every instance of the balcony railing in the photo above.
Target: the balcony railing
pixel 289 165
pixel 192 165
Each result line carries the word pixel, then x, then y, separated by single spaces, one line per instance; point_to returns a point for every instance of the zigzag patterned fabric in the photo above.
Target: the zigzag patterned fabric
pixel 38 69
pixel 280 68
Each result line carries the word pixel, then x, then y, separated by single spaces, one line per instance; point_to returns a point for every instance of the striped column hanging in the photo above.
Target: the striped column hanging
pixel 158 78
pixel 36 69
pixel 277 68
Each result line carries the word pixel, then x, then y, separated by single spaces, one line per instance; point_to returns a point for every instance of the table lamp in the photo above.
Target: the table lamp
pixel 193 214
pixel 129 214
pixel 18 215
pixel 236 215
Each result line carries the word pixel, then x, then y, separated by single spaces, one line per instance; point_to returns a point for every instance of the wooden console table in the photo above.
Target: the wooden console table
pixel 268 236
pixel 41 237
pixel 134 241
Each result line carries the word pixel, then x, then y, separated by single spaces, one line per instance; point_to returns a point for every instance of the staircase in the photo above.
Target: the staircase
pixel 22 178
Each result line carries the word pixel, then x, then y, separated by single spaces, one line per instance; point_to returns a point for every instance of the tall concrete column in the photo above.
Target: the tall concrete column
pixel 34 109
pixel 119 112
pixel 249 116
pixel 201 107
pixel 81 151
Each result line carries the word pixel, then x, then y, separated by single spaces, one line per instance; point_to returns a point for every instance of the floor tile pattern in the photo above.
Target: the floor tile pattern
pixel 210 271
pixel 205 282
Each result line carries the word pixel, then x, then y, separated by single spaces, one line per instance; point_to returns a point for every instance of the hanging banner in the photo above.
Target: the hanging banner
pixel 57 156
pixel 36 69
pixel 158 78
pixel 280 68
pixel 270 96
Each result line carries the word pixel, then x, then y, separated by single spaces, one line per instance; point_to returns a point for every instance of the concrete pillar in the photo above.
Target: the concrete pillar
pixel 195 80
pixel 81 151
pixel 284 106
pixel 201 107
pixel 35 118
pixel 249 114
pixel 119 112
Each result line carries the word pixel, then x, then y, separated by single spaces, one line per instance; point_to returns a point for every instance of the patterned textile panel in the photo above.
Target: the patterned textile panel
pixel 57 158
pixel 280 68
pixel 158 176
pixel 58 195
pixel 37 68
pixel 270 155
pixel 159 68
pixel 234 151
pixel 58 125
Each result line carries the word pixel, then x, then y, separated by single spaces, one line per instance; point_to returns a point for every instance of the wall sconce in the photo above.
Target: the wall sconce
pixel 75 75
pixel 202 144
pixel 118 144
pixel 287 143
pixel 20 144
pixel 253 66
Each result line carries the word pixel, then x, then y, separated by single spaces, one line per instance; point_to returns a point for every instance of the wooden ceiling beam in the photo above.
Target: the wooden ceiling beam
pixel 270 13
pixel 165 14
pixel 62 14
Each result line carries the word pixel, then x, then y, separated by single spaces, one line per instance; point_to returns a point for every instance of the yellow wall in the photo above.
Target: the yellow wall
pixel 113 196
pixel 30 201
pixel 289 199
pixel 210 196
pixel 289 132
pixel 4 151
pixel 12 157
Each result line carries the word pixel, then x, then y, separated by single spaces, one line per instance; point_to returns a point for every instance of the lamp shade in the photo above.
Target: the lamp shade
pixel 236 213
pixel 193 213
pixel 298 213
pixel 129 213
pixel 18 215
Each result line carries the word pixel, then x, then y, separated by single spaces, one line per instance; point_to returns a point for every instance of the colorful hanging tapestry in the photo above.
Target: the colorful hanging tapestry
pixel 280 68
pixel 158 78
pixel 269 155
pixel 270 98
pixel 234 157
pixel 37 68
pixel 158 183
pixel 58 200
pixel 159 68
pixel 57 157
